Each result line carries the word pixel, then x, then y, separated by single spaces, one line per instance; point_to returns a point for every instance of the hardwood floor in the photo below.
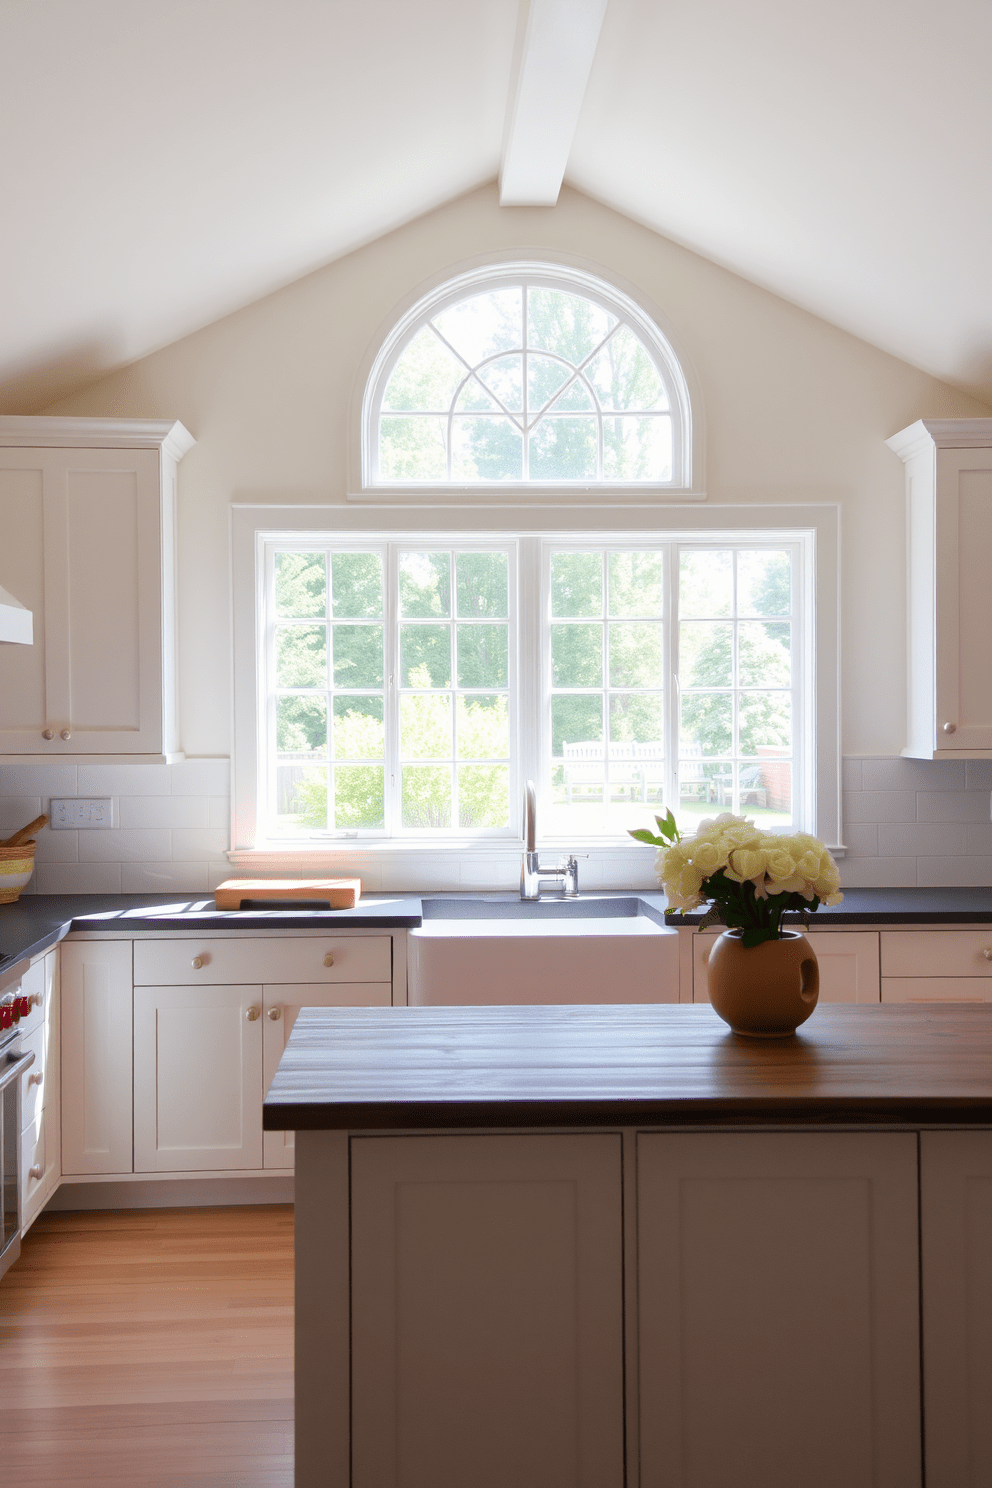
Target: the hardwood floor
pixel 150 1347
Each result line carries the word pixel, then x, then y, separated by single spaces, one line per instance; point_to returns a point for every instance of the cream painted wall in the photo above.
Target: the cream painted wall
pixel 795 411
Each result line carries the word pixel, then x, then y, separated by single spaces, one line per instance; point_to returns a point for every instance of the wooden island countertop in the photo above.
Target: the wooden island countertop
pixel 499 1067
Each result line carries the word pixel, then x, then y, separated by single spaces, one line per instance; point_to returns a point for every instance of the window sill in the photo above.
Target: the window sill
pixel 509 495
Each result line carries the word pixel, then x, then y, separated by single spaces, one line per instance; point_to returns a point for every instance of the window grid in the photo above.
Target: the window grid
pixel 661 464
pixel 660 768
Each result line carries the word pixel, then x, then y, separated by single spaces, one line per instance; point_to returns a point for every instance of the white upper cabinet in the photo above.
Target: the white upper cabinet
pixel 949 525
pixel 88 517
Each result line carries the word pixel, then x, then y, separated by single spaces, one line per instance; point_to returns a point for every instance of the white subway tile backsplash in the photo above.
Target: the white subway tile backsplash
pixel 125 845
pixel 218 811
pixel 123 780
pixel 877 873
pixel 851 775
pixel 979 840
pixel 879 806
pixel 163 878
pixel 38 780
pixel 955 873
pixel 898 774
pixel 201 778
pixel 56 847
pixel 17 811
pixel 164 811
pixel 199 844
pixel 978 774
pixel 952 806
pixel 78 878
pixel 921 839
pixel 861 839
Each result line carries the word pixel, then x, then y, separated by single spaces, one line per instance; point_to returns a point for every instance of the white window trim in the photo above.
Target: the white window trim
pixel 645 320
pixel 475 863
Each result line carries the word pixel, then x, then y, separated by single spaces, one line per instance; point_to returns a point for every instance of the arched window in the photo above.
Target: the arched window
pixel 526 374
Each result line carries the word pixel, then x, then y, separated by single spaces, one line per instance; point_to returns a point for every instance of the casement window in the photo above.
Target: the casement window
pixel 410 686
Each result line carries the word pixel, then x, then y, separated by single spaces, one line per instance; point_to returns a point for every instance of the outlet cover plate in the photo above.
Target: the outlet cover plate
pixel 81 811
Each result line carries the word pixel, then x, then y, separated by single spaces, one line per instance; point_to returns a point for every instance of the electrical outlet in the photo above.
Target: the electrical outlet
pixel 81 811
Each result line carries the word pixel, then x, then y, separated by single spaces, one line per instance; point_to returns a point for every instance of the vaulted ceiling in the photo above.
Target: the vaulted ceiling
pixel 164 163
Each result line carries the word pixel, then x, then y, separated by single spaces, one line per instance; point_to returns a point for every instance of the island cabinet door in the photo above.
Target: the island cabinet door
pixel 778 1286
pixel 197 1079
pixel 956 1214
pixel 487 1312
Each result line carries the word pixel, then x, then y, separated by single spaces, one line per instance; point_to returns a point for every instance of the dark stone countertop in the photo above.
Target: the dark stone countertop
pixel 37 921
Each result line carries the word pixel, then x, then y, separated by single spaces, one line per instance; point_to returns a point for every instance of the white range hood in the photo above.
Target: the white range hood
pixel 16 623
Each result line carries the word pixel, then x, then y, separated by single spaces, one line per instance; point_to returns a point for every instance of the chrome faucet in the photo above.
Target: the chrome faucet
pixel 532 875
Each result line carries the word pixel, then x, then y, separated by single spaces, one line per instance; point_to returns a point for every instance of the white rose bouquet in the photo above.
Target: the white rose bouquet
pixel 750 877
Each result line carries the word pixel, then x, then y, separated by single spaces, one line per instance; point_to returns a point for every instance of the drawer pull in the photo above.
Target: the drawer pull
pixel 328 959
pixel 253 1014
pixel 950 728
pixel 196 963
pixel 35 1079
pixel 48 733
pixel 37 1171
pixel 65 734
pixel 275 1013
pixel 987 953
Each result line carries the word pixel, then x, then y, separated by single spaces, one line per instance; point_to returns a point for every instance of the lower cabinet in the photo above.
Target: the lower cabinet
pixel 40 1096
pixel 778 1292
pixel 487 1315
pixel 956 1236
pixel 169 1076
pixel 755 1324
pixel 936 965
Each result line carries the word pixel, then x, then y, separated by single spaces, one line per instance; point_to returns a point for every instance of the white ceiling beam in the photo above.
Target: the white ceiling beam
pixel 559 43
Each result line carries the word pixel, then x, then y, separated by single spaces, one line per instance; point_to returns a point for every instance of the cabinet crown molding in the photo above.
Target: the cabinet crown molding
pixel 97 433
pixel 965 433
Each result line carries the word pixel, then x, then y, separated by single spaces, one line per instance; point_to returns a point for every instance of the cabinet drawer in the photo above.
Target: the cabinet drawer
pixel 186 963
pixel 937 989
pixel 32 1160
pixel 33 988
pixel 34 1081
pixel 937 953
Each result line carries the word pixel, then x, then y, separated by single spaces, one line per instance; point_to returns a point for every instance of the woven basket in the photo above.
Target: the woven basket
pixel 16 868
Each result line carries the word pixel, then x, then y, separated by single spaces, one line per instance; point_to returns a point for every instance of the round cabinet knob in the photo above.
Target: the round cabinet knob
pixel 48 733
pixel 275 1013
pixel 36 1172
pixel 328 959
pixel 253 1014
pixel 950 728
pixel 65 734
pixel 34 1079
pixel 196 963
pixel 987 953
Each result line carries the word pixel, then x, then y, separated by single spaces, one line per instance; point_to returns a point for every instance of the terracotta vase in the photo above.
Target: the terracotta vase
pixel 767 990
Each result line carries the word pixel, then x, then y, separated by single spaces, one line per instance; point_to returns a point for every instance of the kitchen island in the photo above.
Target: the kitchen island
pixel 595 1246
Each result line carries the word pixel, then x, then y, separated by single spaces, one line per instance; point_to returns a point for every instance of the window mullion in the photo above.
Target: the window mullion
pixel 391 709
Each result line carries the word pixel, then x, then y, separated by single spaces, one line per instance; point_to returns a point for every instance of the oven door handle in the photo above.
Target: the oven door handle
pixel 17 1068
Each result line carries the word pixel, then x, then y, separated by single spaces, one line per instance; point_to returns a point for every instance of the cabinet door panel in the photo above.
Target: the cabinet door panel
pixel 197 1079
pixel 281 1005
pixel 936 989
pixel 22 573
pixel 956 1226
pixel 937 953
pixel 778 1310
pixel 964 598
pixel 96 1057
pixel 487 1312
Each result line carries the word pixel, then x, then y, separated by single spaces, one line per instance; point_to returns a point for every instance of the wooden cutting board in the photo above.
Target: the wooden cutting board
pixel 336 893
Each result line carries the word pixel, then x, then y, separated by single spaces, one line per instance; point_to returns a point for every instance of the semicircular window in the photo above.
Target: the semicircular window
pixel 521 378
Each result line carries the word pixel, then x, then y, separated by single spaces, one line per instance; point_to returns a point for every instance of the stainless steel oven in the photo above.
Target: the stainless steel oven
pixel 13 1063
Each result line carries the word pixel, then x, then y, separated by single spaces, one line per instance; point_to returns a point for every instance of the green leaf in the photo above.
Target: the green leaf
pixel 641 834
pixel 755 935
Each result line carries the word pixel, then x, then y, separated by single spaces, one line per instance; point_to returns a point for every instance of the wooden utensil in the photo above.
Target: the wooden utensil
pixel 19 838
